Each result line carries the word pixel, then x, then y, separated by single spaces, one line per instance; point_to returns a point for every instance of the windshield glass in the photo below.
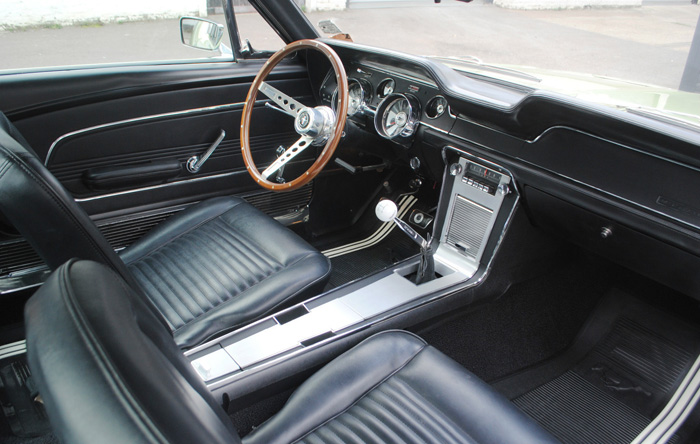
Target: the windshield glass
pixel 616 49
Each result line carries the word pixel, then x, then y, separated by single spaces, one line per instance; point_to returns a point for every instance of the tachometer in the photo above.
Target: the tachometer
pixel 359 95
pixel 397 117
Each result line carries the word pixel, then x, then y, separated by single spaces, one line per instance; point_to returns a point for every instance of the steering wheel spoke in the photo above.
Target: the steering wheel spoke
pixel 286 103
pixel 289 154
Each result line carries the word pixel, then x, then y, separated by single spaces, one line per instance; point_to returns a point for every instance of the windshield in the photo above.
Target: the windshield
pixel 616 50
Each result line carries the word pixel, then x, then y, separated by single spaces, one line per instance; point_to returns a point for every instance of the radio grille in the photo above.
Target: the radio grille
pixel 468 226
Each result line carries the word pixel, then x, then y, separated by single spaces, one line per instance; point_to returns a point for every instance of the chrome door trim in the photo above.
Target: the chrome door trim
pixel 163 185
pixel 153 117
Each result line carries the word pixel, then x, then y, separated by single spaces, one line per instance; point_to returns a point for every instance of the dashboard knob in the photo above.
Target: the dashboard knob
pixel 503 189
pixel 414 163
pixel 455 169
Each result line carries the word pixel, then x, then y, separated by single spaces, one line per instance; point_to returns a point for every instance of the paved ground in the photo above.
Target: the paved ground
pixel 648 44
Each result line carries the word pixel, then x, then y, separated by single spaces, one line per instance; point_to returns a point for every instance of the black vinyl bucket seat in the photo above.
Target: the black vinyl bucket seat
pixel 213 267
pixel 109 372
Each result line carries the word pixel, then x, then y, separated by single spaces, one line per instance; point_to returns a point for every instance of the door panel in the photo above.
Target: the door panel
pixel 83 120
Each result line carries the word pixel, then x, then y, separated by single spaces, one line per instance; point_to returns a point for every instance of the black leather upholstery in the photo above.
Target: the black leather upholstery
pixel 395 388
pixel 212 268
pixel 109 372
pixel 218 265
pixel 38 206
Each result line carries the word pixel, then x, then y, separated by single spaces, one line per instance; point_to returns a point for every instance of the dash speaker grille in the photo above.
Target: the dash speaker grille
pixel 468 225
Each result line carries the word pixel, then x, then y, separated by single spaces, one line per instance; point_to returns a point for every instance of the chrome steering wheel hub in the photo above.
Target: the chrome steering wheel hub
pixel 316 123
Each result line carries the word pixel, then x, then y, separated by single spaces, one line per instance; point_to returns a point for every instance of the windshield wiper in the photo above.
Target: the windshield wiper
pixel 475 61
pixel 688 121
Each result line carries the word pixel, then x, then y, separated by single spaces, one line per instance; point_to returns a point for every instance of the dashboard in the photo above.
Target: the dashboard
pixel 620 185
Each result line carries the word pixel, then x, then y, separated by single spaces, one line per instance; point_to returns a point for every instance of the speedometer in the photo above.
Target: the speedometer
pixel 397 117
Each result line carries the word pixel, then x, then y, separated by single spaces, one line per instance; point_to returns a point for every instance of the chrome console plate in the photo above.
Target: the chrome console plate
pixel 330 314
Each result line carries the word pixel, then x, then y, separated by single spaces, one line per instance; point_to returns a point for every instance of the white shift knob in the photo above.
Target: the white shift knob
pixel 386 210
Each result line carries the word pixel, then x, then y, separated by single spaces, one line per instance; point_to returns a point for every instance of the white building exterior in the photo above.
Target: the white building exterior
pixel 20 13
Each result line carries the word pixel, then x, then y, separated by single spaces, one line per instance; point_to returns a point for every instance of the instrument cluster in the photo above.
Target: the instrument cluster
pixel 392 104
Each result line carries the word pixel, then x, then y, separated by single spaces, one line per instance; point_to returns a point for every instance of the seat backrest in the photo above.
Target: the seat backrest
pixel 109 371
pixel 41 209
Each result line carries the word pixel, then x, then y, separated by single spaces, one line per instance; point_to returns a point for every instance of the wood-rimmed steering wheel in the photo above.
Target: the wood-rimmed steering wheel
pixel 316 125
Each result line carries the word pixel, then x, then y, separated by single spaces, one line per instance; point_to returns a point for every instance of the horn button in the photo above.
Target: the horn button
pixel 316 123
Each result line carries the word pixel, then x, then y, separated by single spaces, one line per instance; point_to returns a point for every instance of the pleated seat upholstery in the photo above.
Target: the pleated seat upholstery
pixel 219 265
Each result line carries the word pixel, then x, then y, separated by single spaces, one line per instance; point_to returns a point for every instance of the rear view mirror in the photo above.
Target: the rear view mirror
pixel 201 33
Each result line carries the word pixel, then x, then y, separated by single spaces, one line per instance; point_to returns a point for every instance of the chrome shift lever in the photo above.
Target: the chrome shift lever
pixel 386 210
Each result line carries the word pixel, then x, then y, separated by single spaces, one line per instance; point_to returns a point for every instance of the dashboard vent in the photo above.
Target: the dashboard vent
pixel 468 226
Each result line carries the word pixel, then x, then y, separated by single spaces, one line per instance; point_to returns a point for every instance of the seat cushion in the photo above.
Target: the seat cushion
pixel 395 388
pixel 220 264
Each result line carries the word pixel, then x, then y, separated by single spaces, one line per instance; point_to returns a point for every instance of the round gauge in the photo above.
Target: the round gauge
pixel 385 88
pixel 358 95
pixel 436 107
pixel 397 116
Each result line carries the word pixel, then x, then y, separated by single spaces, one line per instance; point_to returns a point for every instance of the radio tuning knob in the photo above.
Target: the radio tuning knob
pixel 503 189
pixel 455 169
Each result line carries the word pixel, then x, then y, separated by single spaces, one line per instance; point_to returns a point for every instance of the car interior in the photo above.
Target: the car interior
pixel 341 243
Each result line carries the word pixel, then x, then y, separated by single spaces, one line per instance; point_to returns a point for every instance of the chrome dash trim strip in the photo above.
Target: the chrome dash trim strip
pixel 435 128
pixel 152 117
pixel 13 349
pixel 399 75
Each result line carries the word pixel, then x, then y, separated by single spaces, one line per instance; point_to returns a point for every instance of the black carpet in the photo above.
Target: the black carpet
pixel 532 321
pixel 396 247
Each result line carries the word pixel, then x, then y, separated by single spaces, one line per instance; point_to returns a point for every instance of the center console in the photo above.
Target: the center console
pixel 476 203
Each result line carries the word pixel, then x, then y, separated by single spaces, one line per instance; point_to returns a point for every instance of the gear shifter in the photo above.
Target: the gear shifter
pixel 387 211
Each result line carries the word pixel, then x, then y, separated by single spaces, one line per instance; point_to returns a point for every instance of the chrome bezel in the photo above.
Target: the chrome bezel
pixel 365 97
pixel 380 88
pixel 413 117
pixel 440 113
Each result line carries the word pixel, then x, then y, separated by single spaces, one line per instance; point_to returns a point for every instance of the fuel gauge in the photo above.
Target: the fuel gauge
pixel 385 88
